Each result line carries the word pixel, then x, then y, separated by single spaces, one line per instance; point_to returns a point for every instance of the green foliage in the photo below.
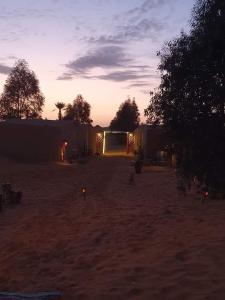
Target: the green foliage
pixel 127 118
pixel 190 100
pixel 21 97
pixel 79 111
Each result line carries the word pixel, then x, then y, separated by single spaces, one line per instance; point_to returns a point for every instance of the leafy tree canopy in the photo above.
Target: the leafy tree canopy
pixel 79 111
pixel 21 96
pixel 190 100
pixel 127 117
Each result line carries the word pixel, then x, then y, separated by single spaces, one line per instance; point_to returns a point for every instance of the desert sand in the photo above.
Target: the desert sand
pixel 140 241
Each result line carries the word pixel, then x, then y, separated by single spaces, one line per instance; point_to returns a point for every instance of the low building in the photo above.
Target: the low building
pixel 48 140
pixel 43 140
pixel 155 143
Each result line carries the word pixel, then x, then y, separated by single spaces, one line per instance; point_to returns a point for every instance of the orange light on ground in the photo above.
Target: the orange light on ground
pixel 206 194
pixel 84 193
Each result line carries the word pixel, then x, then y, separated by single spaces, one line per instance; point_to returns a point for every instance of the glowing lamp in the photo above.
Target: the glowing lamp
pixel 84 192
pixel 206 194
pixel 65 144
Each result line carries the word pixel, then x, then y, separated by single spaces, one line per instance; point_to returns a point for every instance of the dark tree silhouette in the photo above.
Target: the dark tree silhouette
pixel 127 117
pixel 191 97
pixel 69 112
pixel 79 111
pixel 21 96
pixel 60 106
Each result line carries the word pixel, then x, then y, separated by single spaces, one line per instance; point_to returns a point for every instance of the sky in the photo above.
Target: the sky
pixel 102 49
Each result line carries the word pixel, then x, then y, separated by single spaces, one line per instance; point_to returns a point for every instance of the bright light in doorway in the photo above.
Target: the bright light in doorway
pixel 104 134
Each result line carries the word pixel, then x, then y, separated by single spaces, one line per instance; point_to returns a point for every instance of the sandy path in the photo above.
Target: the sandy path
pixel 141 241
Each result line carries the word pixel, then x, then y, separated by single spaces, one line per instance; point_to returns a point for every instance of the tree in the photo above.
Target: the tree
pixel 60 106
pixel 21 96
pixel 191 97
pixel 79 111
pixel 69 112
pixel 127 117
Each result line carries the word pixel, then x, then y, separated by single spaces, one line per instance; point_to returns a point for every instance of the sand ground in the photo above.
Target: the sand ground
pixel 141 241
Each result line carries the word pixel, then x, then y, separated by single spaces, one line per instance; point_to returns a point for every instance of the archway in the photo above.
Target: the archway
pixel 116 143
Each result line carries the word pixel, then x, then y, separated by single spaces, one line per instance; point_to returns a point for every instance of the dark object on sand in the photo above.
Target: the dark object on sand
pixel 6 189
pixel 138 166
pixel 15 197
pixel 39 296
pixel 182 189
pixel 9 196
pixel 73 156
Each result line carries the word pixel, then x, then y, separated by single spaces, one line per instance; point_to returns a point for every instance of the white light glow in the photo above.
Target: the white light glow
pixel 104 134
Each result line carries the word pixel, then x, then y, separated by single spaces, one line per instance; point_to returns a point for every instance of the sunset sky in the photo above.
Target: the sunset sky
pixel 102 49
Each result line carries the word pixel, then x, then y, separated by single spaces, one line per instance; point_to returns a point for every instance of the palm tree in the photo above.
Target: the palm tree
pixel 60 106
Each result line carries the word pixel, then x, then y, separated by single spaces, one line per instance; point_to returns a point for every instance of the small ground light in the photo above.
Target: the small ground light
pixel 84 192
pixel 205 196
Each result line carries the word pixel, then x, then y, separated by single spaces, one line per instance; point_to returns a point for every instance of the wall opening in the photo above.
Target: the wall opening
pixel 63 150
pixel 118 143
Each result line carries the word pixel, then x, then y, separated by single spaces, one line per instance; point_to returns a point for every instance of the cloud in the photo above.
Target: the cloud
pixel 142 68
pixel 139 24
pixel 106 39
pixel 139 84
pixel 145 92
pixel 65 76
pixel 141 29
pixel 146 28
pixel 109 59
pixel 5 69
pixel 21 13
pixel 126 75
pixel 8 57
pixel 13 57
pixel 113 64
pixel 18 22
pixel 103 57
pixel 146 6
